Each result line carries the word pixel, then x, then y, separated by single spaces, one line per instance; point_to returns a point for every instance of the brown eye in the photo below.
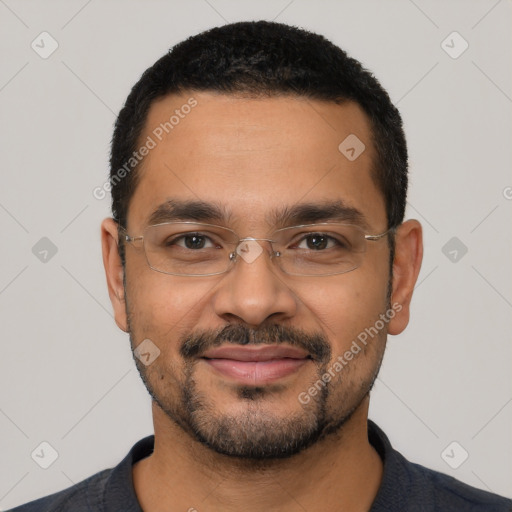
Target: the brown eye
pixel 317 242
pixel 193 241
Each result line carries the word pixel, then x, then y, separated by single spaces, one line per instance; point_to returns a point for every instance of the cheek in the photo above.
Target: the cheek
pixel 162 307
pixel 345 305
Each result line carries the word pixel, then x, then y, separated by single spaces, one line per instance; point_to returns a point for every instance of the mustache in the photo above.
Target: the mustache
pixel 315 344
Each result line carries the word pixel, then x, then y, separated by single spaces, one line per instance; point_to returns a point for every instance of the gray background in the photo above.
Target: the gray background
pixel 67 375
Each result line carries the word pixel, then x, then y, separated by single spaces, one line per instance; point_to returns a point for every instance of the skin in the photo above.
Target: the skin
pixel 251 155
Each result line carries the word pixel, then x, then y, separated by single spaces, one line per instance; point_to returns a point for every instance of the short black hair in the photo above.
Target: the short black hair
pixel 263 58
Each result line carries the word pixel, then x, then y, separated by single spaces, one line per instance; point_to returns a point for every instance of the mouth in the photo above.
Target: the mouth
pixel 256 365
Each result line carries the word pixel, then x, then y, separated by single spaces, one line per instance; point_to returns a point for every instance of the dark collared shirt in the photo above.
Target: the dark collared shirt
pixel 405 487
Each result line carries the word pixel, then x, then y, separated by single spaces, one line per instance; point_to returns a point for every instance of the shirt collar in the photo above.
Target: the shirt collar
pixel 119 492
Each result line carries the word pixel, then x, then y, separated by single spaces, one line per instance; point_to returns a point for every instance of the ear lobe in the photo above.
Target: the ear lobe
pixel 406 267
pixel 114 271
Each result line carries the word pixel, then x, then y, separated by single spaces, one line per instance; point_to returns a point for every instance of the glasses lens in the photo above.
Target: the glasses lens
pixel 202 249
pixel 320 249
pixel 188 249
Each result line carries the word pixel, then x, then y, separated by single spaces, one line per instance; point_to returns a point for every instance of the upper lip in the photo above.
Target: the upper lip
pixel 255 353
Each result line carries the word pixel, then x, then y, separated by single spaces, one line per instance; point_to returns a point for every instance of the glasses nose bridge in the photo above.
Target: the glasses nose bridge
pixel 250 253
pixel 251 238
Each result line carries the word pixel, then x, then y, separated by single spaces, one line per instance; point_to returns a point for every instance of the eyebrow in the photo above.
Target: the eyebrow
pixel 325 211
pixel 184 210
pixel 201 211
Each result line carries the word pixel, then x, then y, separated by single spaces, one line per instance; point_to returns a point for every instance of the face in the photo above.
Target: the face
pixel 244 356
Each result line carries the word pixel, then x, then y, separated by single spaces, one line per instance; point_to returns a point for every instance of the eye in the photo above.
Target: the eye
pixel 317 242
pixel 193 241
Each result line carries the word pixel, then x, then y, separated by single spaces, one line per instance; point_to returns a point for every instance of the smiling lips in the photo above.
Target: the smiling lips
pixel 256 365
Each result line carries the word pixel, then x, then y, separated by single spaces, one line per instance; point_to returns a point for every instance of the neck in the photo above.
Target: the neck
pixel 340 472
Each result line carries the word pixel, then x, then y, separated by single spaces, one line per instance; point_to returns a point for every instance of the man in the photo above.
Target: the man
pixel 258 258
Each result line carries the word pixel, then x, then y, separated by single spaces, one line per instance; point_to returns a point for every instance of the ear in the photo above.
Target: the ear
pixel 114 271
pixel 406 267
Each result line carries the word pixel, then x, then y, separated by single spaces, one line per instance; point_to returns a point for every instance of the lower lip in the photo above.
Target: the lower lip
pixel 256 372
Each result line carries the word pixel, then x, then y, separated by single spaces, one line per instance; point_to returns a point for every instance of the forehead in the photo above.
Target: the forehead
pixel 249 156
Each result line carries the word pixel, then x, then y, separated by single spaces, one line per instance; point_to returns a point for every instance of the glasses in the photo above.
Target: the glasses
pixel 196 249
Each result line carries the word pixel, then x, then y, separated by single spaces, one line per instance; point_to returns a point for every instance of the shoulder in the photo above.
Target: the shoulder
pixel 81 497
pixel 444 492
pixel 109 490
pixel 408 486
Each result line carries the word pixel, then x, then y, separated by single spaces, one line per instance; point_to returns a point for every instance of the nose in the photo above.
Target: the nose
pixel 253 291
